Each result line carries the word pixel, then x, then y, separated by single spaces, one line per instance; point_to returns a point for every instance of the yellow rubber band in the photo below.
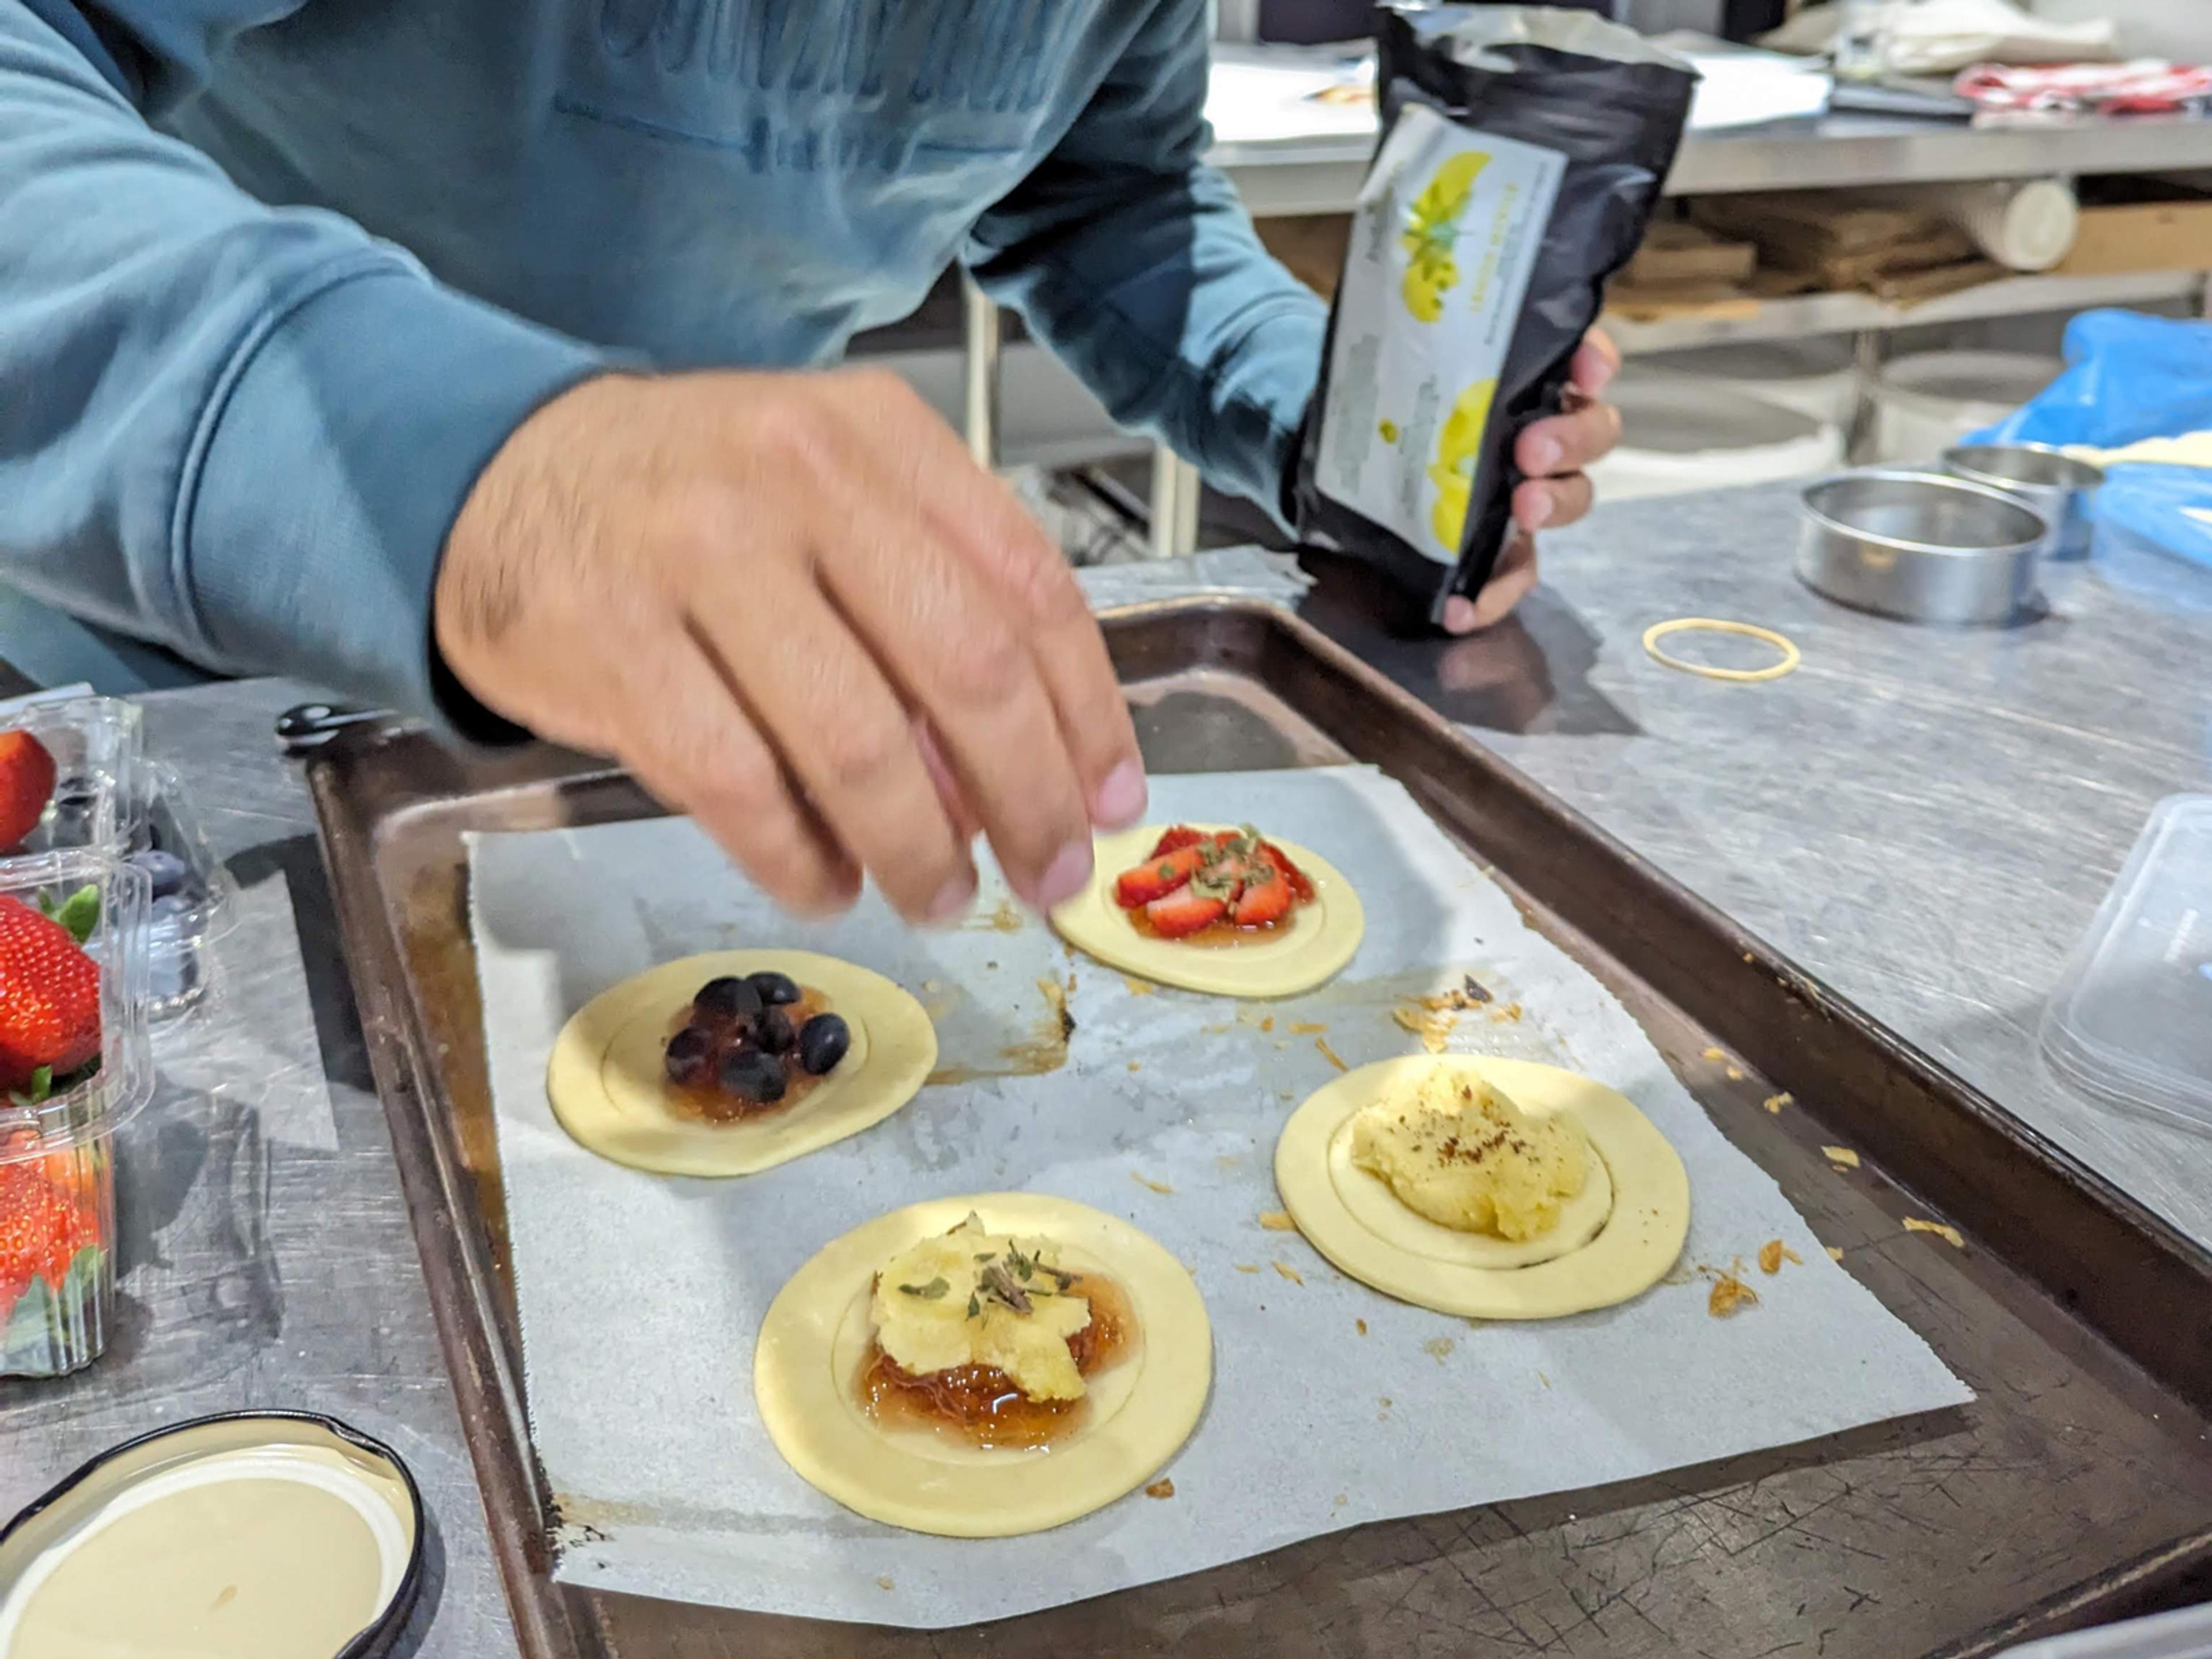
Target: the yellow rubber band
pixel 1790 655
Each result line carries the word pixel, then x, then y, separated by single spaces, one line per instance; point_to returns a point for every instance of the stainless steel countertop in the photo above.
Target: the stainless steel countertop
pixel 1322 174
pixel 1927 819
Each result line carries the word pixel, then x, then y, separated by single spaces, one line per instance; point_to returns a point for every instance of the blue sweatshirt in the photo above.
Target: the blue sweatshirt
pixel 278 277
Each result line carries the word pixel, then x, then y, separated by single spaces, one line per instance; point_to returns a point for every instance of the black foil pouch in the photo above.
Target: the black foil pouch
pixel 1522 153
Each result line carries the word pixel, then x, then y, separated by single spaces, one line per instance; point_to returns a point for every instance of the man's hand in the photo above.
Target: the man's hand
pixel 1553 454
pixel 794 608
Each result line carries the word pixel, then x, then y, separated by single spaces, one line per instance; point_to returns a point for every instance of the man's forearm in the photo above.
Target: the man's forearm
pixel 238 431
pixel 1137 263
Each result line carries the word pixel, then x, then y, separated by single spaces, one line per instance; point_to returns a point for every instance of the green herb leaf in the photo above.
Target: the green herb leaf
pixel 80 911
pixel 999 1285
pixel 974 1307
pixel 27 1341
pixel 47 1332
pixel 933 1291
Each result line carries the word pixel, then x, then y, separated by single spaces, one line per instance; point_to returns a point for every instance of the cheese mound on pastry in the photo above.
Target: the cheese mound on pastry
pixel 973 1297
pixel 1456 1151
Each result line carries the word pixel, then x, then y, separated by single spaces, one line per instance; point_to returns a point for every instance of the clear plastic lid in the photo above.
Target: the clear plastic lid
pixel 2132 1019
pixel 103 900
pixel 96 748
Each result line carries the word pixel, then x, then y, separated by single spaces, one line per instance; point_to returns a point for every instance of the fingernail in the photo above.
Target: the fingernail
pixel 1120 799
pixel 1066 876
pixel 1544 456
pixel 954 897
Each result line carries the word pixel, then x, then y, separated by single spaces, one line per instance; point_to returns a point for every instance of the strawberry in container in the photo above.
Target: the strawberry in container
pixel 73 1067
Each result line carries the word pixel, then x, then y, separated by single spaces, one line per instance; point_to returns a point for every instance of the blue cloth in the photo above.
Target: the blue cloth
pixel 2129 377
pixel 278 277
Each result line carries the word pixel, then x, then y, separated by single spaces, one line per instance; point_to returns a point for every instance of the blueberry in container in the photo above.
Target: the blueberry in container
pixel 193 899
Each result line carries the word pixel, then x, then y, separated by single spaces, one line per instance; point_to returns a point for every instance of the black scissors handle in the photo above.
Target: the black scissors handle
pixel 311 725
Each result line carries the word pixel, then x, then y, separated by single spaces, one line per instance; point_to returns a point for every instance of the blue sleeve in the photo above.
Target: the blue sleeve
pixel 241 432
pixel 1136 264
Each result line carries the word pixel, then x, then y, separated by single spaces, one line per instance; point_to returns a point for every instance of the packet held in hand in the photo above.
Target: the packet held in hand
pixel 1523 151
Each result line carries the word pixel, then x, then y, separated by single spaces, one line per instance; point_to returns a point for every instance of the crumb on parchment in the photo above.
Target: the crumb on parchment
pixel 1949 1235
pixel 1160 1488
pixel 1730 1295
pixel 1277 1221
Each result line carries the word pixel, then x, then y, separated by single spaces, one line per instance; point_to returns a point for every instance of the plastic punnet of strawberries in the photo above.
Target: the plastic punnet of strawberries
pixel 54 1192
pixel 1196 879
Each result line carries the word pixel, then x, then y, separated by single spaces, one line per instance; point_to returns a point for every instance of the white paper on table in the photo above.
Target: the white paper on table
pixel 1258 102
pixel 641 1295
pixel 1743 87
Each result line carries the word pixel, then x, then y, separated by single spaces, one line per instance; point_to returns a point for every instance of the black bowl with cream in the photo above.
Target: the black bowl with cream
pixel 251 1535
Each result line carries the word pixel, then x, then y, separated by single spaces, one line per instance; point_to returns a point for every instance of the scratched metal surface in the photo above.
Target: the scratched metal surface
pixel 266 1257
pixel 1924 818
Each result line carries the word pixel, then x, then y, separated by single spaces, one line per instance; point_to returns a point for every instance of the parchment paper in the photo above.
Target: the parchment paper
pixel 641 1295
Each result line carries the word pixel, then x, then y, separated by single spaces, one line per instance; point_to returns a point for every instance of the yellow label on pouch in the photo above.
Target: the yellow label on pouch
pixel 1443 244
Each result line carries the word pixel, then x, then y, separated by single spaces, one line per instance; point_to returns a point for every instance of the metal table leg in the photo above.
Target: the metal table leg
pixel 981 317
pixel 1174 504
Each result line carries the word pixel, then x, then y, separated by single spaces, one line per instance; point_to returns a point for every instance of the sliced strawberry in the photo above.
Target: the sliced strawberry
pixel 1157 877
pixel 1185 912
pixel 1175 840
pixel 1301 889
pixel 1266 898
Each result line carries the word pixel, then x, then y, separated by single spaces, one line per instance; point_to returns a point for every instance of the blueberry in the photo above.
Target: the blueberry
pixel 728 998
pixel 687 1054
pixel 164 871
pixel 823 1041
pixel 772 1031
pixel 775 989
pixel 751 1075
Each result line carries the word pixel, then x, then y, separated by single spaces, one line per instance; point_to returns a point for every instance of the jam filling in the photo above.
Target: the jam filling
pixel 981 1405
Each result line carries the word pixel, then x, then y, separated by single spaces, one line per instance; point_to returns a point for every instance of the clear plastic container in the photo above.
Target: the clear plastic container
pixel 2131 1022
pixel 97 751
pixel 192 894
pixel 109 797
pixel 57 1161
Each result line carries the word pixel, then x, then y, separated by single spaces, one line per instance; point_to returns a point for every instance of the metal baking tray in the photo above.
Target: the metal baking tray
pixel 2077 1488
